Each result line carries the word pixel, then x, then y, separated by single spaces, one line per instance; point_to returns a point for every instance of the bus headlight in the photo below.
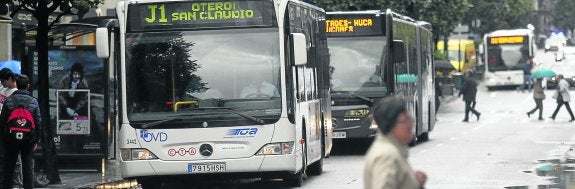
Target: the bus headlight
pixel 129 154
pixel 547 47
pixel 282 148
pixel 492 80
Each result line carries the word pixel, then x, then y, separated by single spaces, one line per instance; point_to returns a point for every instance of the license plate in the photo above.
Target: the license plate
pixel 339 134
pixel 206 167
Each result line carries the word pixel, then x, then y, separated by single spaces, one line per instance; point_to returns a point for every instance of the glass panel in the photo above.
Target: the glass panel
pixel 356 64
pixel 232 69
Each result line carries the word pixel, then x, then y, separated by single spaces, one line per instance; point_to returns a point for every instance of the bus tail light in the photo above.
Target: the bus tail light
pixel 283 148
pixel 129 154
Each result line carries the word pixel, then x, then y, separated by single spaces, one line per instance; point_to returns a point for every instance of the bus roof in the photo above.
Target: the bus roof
pixel 355 12
pixel 511 32
pixel 376 12
pixel 308 5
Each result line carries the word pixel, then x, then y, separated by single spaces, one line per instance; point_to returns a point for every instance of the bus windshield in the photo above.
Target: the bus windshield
pixel 507 56
pixel 356 65
pixel 205 72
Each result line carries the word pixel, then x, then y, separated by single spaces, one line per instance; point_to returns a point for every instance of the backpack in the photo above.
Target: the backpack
pixel 21 124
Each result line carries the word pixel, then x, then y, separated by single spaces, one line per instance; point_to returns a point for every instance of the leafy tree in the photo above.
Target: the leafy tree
pixel 443 15
pixel 497 14
pixel 563 14
pixel 41 10
pixel 399 6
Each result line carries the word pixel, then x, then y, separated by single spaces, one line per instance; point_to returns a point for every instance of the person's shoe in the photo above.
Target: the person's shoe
pixel 528 115
pixel 478 115
pixel 552 118
pixel 571 120
pixel 540 119
pixel 465 120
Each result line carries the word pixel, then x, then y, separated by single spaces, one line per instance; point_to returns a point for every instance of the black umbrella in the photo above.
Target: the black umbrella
pixel 443 65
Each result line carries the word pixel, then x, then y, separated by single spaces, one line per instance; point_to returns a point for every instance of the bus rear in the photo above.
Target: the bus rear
pixel 506 56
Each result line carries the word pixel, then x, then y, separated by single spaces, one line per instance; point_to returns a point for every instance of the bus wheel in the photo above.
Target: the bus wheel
pixel 423 137
pixel 149 183
pixel 316 168
pixel 295 180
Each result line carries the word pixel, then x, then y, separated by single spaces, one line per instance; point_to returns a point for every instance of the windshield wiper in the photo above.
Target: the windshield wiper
pixel 370 101
pixel 173 118
pixel 179 117
pixel 252 118
pixel 156 123
pixel 229 110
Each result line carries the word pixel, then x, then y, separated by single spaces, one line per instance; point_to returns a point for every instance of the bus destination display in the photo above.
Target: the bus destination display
pixel 354 25
pixel 182 15
pixel 507 40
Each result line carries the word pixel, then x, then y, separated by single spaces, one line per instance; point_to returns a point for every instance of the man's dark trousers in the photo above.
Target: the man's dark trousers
pixel 12 149
pixel 469 107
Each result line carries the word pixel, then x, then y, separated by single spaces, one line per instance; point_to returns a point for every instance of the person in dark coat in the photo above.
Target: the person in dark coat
pixel 527 79
pixel 438 93
pixel 12 148
pixel 538 96
pixel 469 92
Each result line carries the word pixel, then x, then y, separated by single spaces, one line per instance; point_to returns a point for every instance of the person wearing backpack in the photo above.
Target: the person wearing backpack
pixel 21 125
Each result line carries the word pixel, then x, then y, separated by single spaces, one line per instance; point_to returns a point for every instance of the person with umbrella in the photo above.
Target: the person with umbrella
pixel 538 92
pixel 538 96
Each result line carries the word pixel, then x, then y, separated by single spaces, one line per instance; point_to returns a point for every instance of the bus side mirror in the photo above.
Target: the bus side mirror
pixel 481 50
pixel 102 43
pixel 398 48
pixel 299 49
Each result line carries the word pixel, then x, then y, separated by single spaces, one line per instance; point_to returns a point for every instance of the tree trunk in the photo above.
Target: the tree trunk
pixel 42 47
pixel 445 44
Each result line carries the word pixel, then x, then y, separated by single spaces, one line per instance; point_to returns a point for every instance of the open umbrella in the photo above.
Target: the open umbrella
pixel 13 65
pixel 442 65
pixel 542 73
pixel 406 78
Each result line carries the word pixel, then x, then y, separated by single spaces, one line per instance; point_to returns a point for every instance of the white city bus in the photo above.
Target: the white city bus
pixel 222 87
pixel 506 52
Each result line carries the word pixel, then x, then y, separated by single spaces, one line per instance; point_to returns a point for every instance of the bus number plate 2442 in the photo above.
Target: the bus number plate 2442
pixel 206 167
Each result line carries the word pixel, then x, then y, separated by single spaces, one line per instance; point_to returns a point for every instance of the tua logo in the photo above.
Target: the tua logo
pixel 155 137
pixel 243 132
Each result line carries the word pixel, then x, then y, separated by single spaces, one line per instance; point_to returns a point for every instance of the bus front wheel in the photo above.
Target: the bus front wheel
pixel 295 180
pixel 316 168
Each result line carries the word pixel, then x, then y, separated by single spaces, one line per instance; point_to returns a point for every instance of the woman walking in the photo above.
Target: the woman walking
pixel 538 96
pixel 563 97
pixel 386 164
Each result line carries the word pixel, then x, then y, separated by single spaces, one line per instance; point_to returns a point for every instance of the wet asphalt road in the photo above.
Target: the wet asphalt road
pixel 496 152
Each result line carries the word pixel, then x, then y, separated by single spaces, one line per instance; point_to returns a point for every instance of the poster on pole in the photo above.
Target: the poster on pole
pixel 73 117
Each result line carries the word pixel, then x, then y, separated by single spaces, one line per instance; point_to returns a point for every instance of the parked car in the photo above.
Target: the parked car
pixel 568 71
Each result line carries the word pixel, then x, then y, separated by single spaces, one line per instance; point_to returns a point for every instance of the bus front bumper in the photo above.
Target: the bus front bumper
pixel 254 164
pixel 352 128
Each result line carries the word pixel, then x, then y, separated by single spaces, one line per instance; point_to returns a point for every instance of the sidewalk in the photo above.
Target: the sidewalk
pixel 90 179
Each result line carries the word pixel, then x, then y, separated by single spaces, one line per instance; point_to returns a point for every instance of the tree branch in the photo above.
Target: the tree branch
pixel 60 16
pixel 16 11
pixel 55 6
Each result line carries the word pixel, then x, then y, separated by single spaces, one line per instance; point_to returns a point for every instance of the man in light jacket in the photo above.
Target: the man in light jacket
pixel 563 97
pixel 386 165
